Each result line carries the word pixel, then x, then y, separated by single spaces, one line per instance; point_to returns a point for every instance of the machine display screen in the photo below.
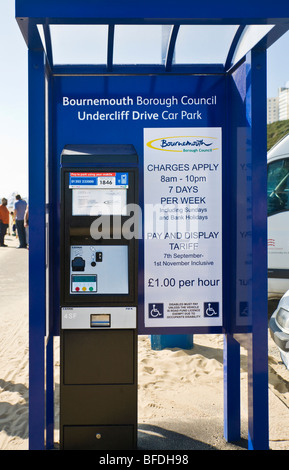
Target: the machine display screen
pixel 99 193
pixel 83 278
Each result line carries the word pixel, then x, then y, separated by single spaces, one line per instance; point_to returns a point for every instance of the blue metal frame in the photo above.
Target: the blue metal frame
pixel 232 393
pixel 247 12
pixel 32 37
pixel 37 261
pixel 249 103
pixel 253 336
pixel 258 349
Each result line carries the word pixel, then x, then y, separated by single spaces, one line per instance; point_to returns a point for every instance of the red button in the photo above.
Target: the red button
pixel 77 289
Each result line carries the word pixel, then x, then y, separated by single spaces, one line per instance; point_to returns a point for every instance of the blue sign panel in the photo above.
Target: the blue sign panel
pixel 141 111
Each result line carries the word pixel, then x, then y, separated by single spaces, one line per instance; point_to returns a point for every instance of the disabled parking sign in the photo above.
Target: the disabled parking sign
pixel 156 310
pixel 183 227
pixel 211 309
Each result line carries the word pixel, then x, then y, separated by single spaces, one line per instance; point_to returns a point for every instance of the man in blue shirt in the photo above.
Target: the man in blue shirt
pixel 19 208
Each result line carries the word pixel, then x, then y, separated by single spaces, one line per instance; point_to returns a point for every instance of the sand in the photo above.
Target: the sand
pixel 180 391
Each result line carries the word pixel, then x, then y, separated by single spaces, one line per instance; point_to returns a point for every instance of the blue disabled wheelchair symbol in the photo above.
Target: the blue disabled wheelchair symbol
pixel 156 310
pixel 211 309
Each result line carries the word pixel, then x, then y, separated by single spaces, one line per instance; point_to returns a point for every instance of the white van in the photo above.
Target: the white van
pixel 278 218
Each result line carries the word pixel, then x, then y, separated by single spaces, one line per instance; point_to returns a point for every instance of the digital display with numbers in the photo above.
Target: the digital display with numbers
pixel 83 278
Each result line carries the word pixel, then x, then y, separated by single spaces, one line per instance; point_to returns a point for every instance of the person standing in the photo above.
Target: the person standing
pixel 4 220
pixel 26 224
pixel 19 211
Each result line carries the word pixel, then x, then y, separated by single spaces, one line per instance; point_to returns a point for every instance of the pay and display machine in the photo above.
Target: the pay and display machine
pixel 98 295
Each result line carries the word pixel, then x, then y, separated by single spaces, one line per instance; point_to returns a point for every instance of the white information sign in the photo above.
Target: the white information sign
pixel 99 201
pixel 183 227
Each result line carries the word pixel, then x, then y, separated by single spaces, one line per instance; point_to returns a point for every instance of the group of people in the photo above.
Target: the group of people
pixel 21 217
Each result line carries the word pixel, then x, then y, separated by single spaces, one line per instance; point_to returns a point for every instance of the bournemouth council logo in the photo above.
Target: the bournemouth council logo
pixel 184 144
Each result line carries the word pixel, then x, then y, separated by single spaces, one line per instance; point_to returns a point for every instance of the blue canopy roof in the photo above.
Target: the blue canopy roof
pixel 78 37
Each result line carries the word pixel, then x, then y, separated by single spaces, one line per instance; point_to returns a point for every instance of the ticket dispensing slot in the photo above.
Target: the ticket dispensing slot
pixel 98 337
pixel 100 320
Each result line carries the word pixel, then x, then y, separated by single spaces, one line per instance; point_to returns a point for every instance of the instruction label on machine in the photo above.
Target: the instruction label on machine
pixel 98 180
pixel 183 227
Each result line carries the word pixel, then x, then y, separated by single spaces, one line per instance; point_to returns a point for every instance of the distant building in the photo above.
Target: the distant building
pixel 272 110
pixel 283 96
pixel 278 107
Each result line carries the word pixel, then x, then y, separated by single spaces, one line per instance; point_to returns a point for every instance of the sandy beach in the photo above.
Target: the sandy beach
pixel 180 391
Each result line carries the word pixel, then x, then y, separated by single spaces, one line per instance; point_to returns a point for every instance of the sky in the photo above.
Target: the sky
pixel 14 100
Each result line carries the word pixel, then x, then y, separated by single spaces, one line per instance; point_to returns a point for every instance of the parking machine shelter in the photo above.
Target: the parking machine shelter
pixel 190 125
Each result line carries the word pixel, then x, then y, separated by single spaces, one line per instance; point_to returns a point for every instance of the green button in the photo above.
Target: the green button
pixel 91 288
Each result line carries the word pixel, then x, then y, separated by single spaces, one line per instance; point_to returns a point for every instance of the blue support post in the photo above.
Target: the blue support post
pixel 37 284
pixel 258 348
pixel 159 342
pixel 50 277
pixel 232 396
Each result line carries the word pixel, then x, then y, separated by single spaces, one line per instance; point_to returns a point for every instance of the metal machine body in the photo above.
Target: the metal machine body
pixel 98 347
